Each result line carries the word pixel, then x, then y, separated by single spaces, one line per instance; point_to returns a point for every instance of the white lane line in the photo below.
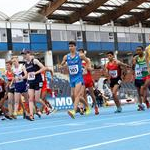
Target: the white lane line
pixel 66 124
pixel 112 141
pixel 144 121
pixel 56 134
pixel 61 121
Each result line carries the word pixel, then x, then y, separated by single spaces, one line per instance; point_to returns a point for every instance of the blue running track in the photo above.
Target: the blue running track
pixel 129 130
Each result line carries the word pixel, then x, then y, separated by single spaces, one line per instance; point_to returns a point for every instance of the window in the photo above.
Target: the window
pixel 136 37
pixel 93 36
pixel 107 36
pixel 39 31
pixel 3 35
pixel 20 35
pixel 74 35
pixel 58 35
pixel 147 37
pixel 123 37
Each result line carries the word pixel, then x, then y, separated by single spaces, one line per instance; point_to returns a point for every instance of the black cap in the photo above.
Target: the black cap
pixel 25 51
pixel 81 49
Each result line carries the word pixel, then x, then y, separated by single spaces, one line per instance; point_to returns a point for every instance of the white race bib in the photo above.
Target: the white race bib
pixel 113 73
pixel 31 76
pixel 73 69
pixel 17 80
pixel 138 73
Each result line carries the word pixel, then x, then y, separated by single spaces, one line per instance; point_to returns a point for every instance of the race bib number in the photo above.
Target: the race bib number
pixel 113 73
pixel 1 89
pixel 17 78
pixel 31 76
pixel 138 73
pixel 73 69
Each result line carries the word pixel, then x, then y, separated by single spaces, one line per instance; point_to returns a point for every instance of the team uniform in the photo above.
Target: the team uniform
pixel 75 69
pixel 114 71
pixel 2 88
pixel 46 83
pixel 34 81
pixel 20 85
pixel 8 77
pixel 88 81
pixel 141 72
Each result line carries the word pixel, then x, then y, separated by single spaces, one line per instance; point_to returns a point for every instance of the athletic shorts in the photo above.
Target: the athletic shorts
pixel 11 90
pixel 46 90
pixel 115 81
pixel 76 81
pixel 2 94
pixel 88 83
pixel 35 85
pixel 21 87
pixel 138 83
pixel 146 78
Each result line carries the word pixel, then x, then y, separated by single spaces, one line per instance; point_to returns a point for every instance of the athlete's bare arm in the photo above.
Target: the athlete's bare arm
pixel 42 68
pixel 147 59
pixel 50 70
pixel 122 64
pixel 134 61
pixel 64 61
pixel 83 57
pixel 25 72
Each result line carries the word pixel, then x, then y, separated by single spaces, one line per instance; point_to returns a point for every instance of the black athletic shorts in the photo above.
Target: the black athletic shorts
pixel 2 94
pixel 35 86
pixel 138 83
pixel 115 81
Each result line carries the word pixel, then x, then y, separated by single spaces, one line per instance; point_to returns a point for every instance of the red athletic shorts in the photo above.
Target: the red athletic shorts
pixel 88 82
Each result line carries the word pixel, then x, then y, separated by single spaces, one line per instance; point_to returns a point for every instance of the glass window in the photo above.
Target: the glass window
pixel 55 35
pixel 93 36
pixel 107 36
pixel 39 31
pixel 20 35
pixel 123 37
pixel 147 37
pixel 74 35
pixel 135 37
pixel 58 35
pixel 3 35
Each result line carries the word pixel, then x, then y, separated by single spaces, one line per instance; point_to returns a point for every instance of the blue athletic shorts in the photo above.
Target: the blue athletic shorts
pixel 75 81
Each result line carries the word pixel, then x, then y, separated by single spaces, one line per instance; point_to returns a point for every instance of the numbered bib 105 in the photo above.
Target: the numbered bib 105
pixel 73 69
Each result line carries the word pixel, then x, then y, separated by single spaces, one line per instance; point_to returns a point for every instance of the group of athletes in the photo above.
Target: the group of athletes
pixel 28 82
pixel 24 85
pixel 80 69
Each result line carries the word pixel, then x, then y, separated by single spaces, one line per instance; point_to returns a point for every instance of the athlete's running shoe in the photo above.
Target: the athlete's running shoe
pixel 38 113
pixel 141 107
pixel 119 110
pixel 47 110
pixel 96 110
pixel 87 112
pixel 147 104
pixel 71 113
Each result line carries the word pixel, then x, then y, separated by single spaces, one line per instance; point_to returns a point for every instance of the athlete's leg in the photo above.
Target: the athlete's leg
pixel 116 100
pixel 10 103
pixel 17 97
pixel 31 101
pixel 144 91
